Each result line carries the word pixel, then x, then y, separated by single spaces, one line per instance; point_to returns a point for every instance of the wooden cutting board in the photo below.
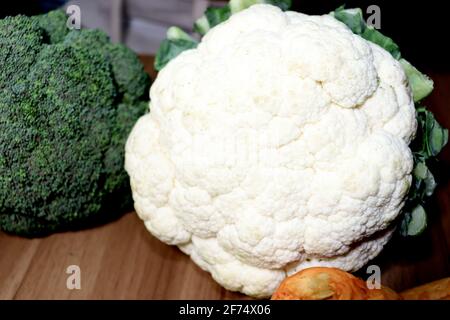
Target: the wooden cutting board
pixel 121 260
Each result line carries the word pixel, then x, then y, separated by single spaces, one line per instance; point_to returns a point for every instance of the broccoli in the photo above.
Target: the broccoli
pixel 68 100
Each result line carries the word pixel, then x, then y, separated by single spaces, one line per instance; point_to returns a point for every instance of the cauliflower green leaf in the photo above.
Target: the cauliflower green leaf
pixel 212 17
pixel 421 85
pixel 177 41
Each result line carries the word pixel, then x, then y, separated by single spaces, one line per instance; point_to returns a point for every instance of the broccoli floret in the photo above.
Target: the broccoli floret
pixel 92 39
pixel 126 68
pixel 67 103
pixel 20 42
pixel 54 25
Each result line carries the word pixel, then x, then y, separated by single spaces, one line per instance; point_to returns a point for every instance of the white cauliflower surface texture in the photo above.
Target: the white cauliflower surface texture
pixel 279 143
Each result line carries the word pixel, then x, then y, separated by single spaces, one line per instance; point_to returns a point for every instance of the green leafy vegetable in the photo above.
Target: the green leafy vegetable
pixel 435 137
pixel 217 15
pixel 373 35
pixel 352 18
pixel 421 85
pixel 175 33
pixel 430 140
pixel 414 222
pixel 201 26
pixel 177 41
pixel 212 17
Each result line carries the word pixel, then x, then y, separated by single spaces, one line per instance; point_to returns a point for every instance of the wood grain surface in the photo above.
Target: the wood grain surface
pixel 121 260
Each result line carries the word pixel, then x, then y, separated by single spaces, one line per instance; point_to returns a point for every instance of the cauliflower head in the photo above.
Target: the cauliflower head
pixel 279 143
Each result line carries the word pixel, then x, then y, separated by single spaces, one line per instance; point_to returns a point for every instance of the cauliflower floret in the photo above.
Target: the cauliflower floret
pixel 281 142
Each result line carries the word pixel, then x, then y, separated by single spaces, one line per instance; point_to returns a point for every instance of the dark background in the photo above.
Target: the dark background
pixel 420 29
pixel 28 7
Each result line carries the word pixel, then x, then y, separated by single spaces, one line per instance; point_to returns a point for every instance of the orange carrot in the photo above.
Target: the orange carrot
pixel 329 284
pixel 436 290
